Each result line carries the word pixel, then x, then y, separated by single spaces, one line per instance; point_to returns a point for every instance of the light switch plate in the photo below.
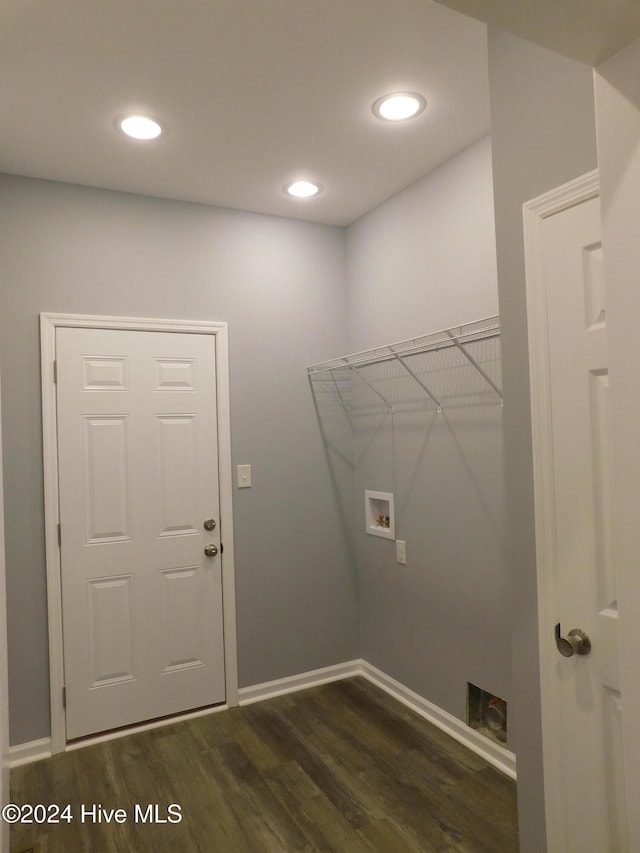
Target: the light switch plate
pixel 244 476
pixel 401 552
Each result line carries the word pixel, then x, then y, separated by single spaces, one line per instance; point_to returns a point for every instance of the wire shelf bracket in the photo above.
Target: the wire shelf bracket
pixel 472 360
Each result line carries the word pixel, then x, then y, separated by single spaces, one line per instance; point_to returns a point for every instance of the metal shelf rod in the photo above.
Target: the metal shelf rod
pixel 482 373
pixel 375 390
pixel 419 381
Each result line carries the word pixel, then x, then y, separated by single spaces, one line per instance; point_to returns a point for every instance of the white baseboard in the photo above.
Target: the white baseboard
pixel 498 756
pixel 25 753
pixel 144 727
pixel 292 683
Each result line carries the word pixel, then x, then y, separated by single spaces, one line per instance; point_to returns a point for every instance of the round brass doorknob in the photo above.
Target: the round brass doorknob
pixel 210 550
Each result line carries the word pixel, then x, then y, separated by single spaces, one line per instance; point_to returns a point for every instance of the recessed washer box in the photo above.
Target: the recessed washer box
pixel 379 517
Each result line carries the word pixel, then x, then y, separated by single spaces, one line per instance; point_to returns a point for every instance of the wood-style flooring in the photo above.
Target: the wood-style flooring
pixel 341 767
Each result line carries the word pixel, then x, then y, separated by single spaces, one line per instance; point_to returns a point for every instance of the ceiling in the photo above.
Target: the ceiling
pixel 257 93
pixel 254 94
pixel 587 30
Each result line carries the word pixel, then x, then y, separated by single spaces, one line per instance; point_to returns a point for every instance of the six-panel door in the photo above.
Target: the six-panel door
pixel 138 477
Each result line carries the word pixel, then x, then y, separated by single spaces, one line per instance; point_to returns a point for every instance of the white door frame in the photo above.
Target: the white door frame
pixel 48 325
pixel 534 213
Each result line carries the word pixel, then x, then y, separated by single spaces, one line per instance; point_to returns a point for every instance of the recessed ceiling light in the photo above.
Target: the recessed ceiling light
pixel 303 189
pixel 399 106
pixel 140 127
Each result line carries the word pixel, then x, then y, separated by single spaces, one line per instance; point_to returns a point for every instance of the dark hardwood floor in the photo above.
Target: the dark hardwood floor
pixel 341 767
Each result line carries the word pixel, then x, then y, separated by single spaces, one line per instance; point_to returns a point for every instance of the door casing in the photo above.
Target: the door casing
pixel 48 325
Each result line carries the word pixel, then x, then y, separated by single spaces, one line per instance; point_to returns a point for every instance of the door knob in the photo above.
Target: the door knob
pixel 210 550
pixel 575 643
pixel 210 524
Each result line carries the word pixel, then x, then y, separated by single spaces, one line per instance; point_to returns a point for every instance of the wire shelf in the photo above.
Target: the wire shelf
pixel 380 368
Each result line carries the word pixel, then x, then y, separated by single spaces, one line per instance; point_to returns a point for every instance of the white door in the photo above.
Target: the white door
pixel 138 478
pixel 584 779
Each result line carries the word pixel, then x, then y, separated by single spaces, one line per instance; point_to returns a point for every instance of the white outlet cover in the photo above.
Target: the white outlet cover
pixel 244 476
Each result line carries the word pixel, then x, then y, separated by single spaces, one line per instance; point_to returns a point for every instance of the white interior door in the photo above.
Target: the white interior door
pixel 138 478
pixel 584 777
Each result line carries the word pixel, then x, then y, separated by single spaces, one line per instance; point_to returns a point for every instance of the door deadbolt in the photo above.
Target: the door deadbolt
pixel 575 643
pixel 210 524
pixel 210 550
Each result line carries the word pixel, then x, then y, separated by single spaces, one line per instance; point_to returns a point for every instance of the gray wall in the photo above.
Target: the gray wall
pixel 543 134
pixel 424 261
pixel 281 287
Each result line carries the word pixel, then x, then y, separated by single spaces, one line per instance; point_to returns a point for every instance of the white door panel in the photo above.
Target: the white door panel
pixel 138 475
pixel 176 441
pixel 107 478
pixel 588 774
pixel 112 654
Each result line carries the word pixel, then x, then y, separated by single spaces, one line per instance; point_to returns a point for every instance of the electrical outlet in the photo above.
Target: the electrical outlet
pixel 401 552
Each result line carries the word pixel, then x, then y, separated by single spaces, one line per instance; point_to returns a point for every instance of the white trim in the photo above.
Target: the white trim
pixel 25 753
pixel 293 683
pixel 144 727
pixel 51 516
pixel 534 213
pixel 498 756
pixel 225 477
pixel 48 325
pixel 36 750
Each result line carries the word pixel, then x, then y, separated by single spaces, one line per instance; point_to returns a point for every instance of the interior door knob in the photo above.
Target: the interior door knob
pixel 575 643
pixel 210 550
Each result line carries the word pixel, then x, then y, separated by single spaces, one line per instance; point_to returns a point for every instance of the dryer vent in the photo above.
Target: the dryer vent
pixel 487 713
